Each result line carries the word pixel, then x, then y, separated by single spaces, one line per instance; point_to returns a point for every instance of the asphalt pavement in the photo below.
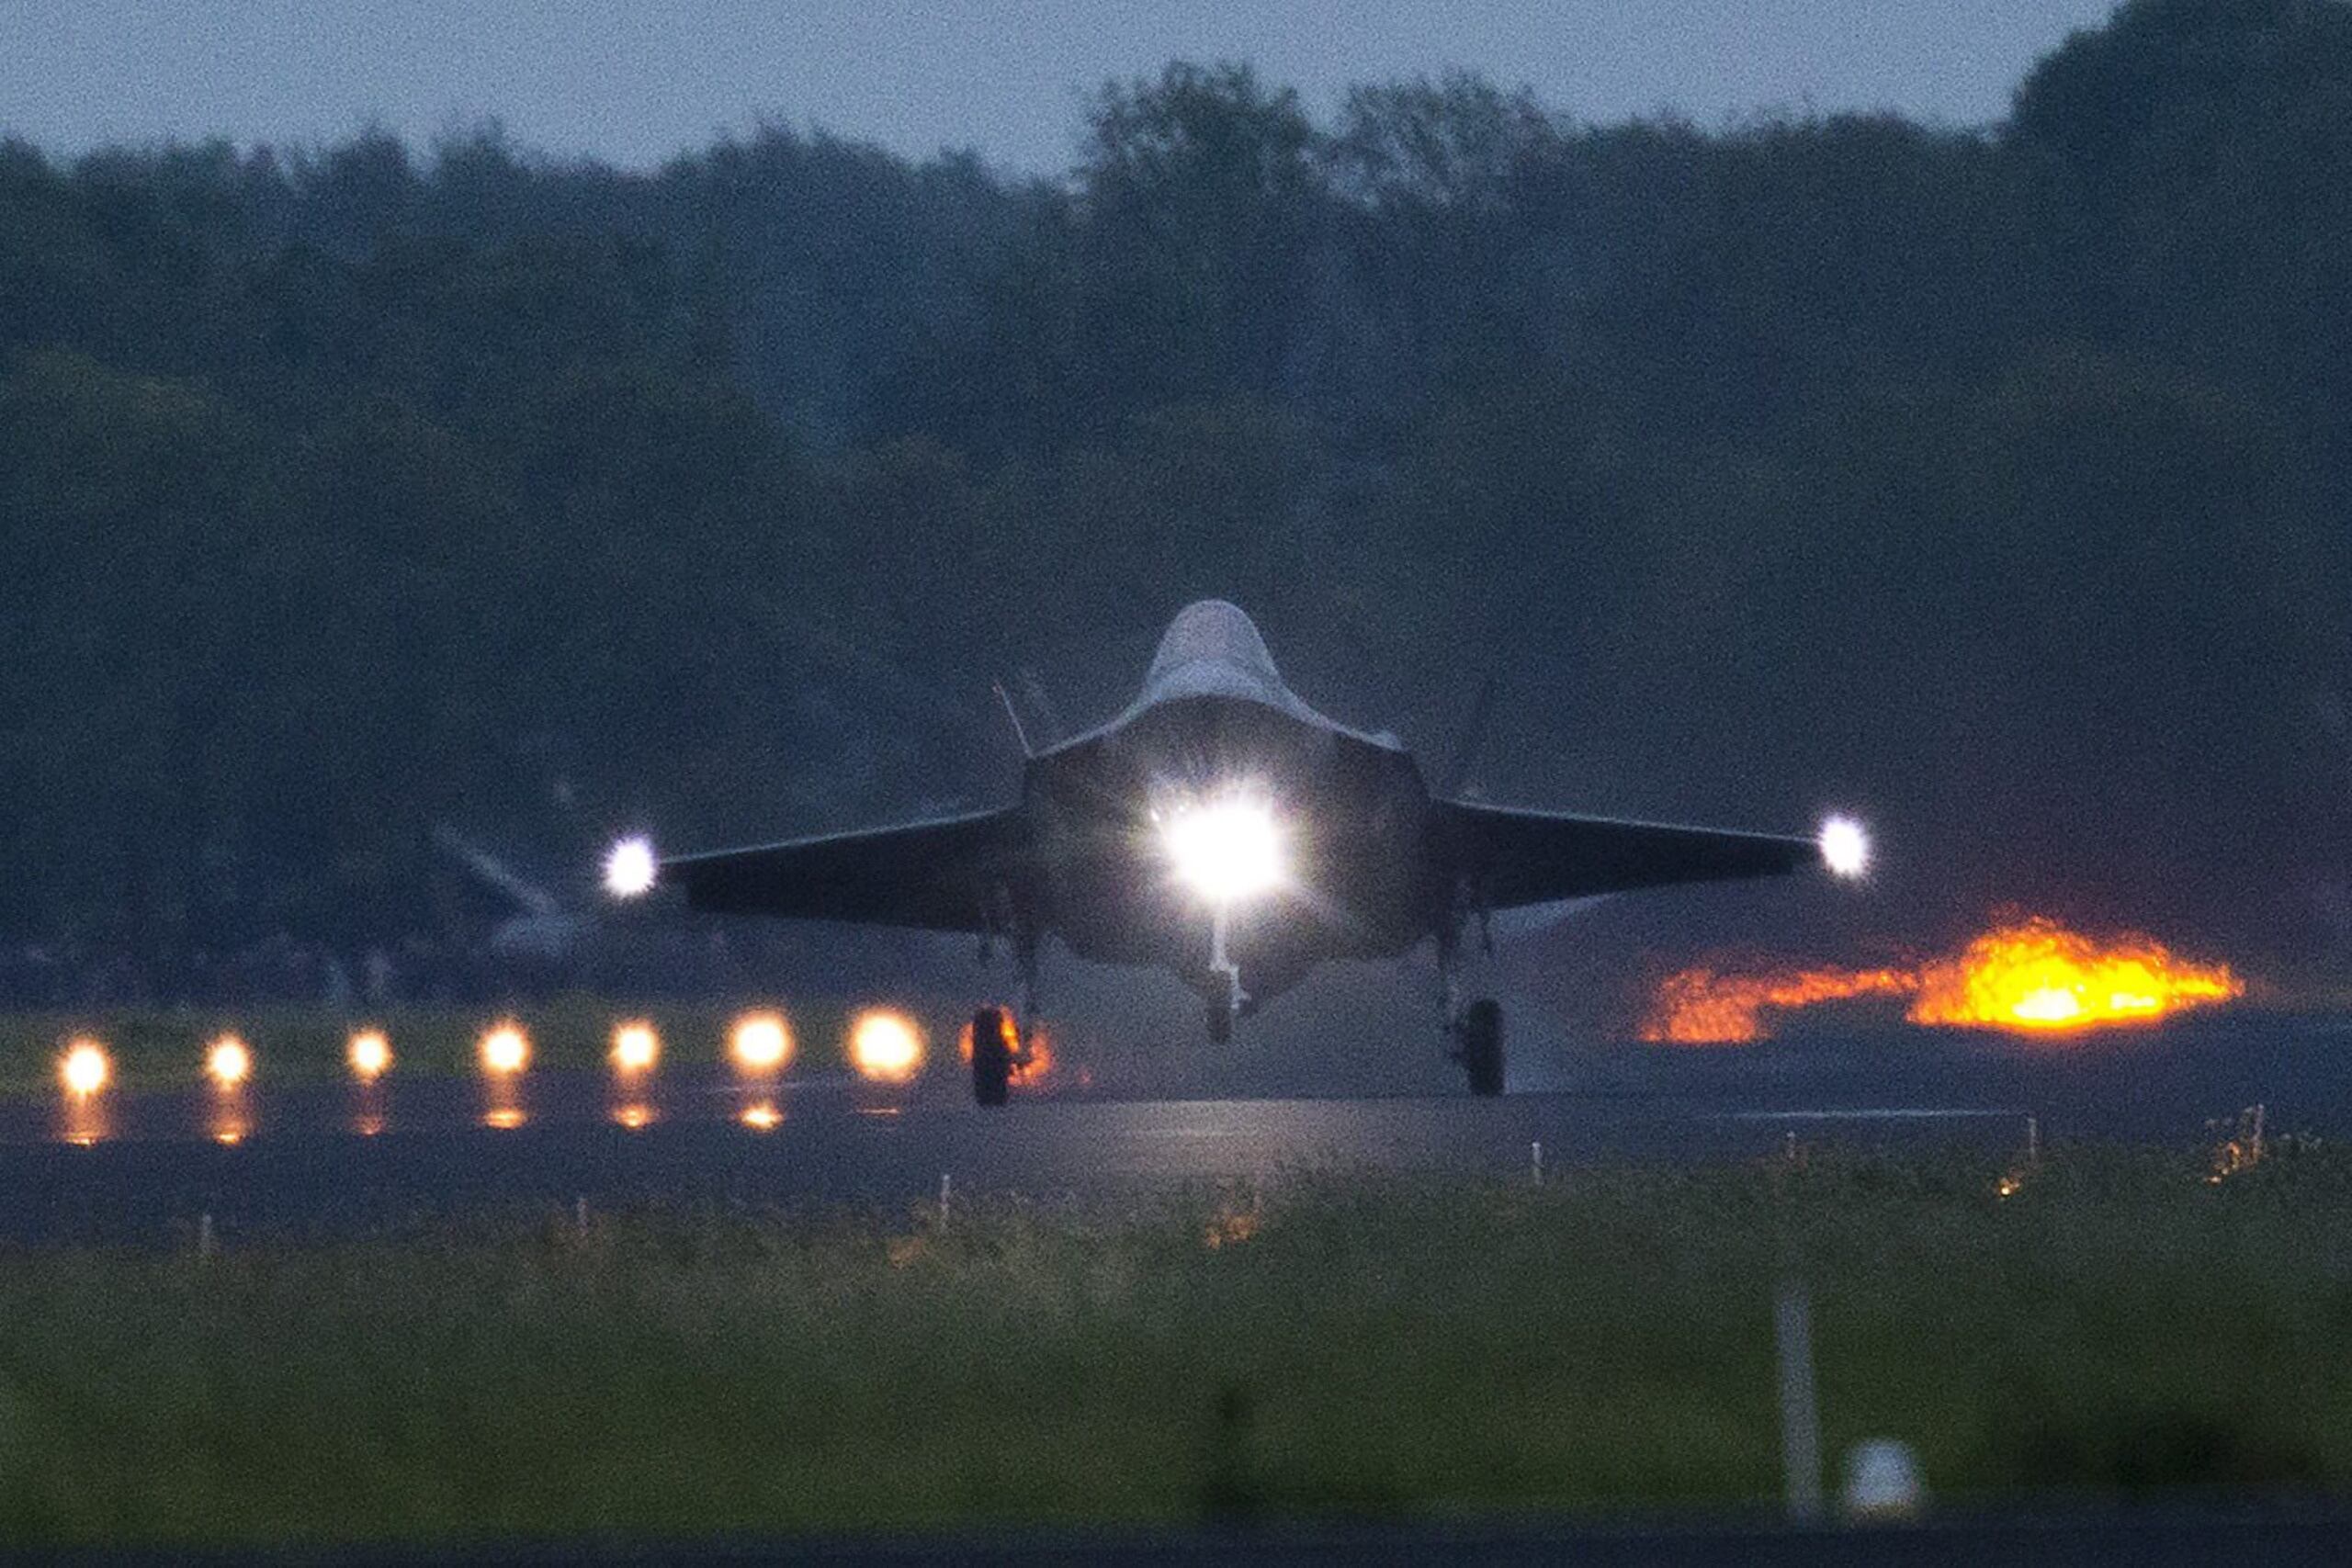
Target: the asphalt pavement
pixel 328 1159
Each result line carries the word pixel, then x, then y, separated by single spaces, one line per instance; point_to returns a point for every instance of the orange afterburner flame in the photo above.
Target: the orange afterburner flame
pixel 2031 975
pixel 1700 1007
pixel 2037 974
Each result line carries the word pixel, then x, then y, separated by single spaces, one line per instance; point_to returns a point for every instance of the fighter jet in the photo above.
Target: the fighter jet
pixel 1222 829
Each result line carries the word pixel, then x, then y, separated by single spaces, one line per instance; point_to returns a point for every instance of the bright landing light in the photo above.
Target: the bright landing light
pixel 1226 849
pixel 631 868
pixel 1845 847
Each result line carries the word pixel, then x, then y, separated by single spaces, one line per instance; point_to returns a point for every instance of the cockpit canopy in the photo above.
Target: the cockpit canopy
pixel 1208 640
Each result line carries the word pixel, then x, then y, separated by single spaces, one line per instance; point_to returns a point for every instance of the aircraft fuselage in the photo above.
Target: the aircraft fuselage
pixel 1353 815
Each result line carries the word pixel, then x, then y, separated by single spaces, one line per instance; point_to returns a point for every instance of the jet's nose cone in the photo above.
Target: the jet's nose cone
pixel 1211 630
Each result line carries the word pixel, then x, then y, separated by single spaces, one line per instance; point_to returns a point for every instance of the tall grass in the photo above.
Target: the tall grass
pixel 1332 1344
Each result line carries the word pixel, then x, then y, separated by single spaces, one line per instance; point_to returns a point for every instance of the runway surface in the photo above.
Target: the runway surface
pixel 328 1159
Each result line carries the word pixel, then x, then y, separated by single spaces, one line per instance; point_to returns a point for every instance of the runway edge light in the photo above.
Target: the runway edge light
pixel 637 1048
pixel 506 1050
pixel 227 1061
pixel 761 1044
pixel 84 1068
pixel 886 1046
pixel 370 1055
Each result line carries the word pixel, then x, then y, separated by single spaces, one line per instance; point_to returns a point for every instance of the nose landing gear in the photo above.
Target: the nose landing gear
pixel 1474 1033
pixel 1229 1000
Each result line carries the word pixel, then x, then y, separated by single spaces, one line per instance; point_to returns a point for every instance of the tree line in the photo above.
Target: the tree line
pixel 1992 482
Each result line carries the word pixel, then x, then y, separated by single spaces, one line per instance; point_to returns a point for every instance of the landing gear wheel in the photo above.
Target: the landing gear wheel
pixel 1221 1021
pixel 992 1051
pixel 1479 1045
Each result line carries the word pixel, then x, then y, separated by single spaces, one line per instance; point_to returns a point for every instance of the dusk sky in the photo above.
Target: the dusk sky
pixel 632 82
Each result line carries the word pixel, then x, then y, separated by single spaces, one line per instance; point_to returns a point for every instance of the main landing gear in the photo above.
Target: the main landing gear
pixel 1477 1034
pixel 997 1052
pixel 1474 1033
pixel 996 1044
pixel 998 1049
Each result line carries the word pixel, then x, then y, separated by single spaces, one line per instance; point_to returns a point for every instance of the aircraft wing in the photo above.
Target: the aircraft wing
pixel 935 876
pixel 1512 857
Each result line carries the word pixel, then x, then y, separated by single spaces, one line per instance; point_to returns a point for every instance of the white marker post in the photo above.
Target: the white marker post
pixel 1882 1482
pixel 1800 1418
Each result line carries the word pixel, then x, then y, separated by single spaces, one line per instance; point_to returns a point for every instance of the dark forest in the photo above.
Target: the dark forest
pixel 1992 483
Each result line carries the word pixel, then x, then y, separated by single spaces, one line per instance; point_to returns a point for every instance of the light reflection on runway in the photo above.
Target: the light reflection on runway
pixel 83 1120
pixel 1865 1087
pixel 1147 1137
pixel 827 1139
pixel 346 1154
pixel 816 1144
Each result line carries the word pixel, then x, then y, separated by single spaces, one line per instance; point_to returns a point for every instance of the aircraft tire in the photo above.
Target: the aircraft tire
pixel 991 1057
pixel 1220 1023
pixel 1478 1037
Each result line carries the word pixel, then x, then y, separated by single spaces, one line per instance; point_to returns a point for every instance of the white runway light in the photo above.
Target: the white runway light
pixel 1226 849
pixel 630 869
pixel 1845 847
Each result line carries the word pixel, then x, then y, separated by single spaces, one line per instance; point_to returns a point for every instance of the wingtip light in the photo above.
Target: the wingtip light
pixel 631 868
pixel 1845 848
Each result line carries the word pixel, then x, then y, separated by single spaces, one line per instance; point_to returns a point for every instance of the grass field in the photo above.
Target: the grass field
pixel 155 1047
pixel 1327 1346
